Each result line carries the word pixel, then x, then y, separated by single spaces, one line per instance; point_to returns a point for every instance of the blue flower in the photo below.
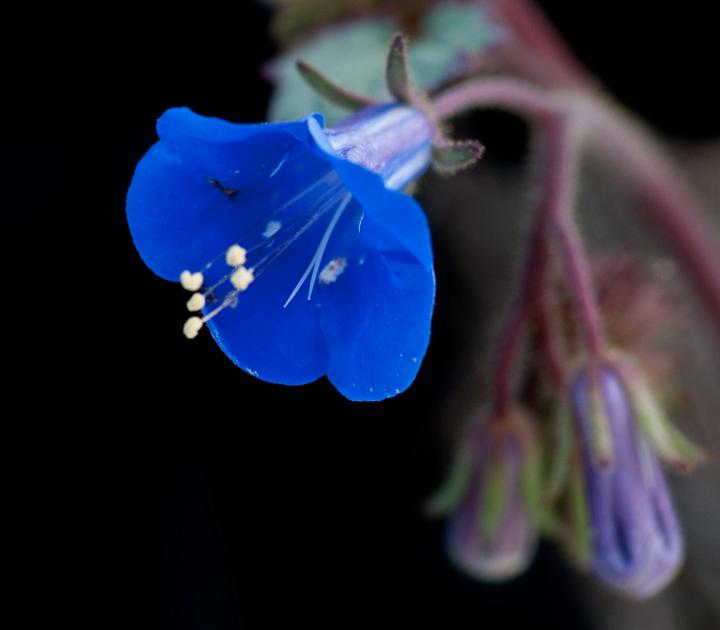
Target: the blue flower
pixel 305 257
pixel 637 543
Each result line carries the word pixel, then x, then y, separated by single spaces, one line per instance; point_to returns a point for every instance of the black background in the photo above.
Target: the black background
pixel 151 484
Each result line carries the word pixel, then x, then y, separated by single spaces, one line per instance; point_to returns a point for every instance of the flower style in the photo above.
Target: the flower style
pixel 490 497
pixel 637 544
pixel 301 251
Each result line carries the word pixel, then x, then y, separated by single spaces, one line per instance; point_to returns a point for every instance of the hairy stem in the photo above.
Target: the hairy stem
pixel 629 148
pixel 554 217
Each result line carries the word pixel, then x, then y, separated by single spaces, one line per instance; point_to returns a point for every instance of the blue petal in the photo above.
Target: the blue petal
pixel 395 221
pixel 379 332
pixel 378 326
pixel 369 330
pixel 177 218
pixel 276 344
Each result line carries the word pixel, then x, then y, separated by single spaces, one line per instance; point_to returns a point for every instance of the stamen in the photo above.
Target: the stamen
pixel 191 281
pixel 242 278
pixel 314 265
pixel 277 238
pixel 236 256
pixel 299 227
pixel 196 302
pixel 323 243
pixel 192 327
pixel 280 165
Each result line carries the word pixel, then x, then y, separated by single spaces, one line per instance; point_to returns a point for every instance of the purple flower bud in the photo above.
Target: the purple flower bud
pixel 637 545
pixel 492 532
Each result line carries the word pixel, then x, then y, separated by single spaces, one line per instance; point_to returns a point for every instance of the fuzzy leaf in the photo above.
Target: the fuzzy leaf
pixel 397 73
pixel 455 486
pixel 455 156
pixel 355 55
pixel 557 477
pixel 329 90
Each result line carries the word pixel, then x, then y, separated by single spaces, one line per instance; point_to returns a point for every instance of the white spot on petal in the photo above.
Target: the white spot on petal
pixel 272 228
pixel 333 270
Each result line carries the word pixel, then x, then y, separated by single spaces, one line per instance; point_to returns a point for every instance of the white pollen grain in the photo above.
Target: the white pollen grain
pixel 192 327
pixel 196 302
pixel 235 256
pixel 242 278
pixel 191 281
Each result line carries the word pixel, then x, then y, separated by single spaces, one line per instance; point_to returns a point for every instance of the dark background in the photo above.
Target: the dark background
pixel 151 483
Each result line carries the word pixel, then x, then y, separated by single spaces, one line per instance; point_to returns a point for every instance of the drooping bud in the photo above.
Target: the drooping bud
pixel 491 497
pixel 636 542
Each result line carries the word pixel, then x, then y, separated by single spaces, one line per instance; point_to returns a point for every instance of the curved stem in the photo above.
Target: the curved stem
pixel 513 330
pixel 513 95
pixel 554 216
pixel 631 150
pixel 540 38
pixel 562 149
pixel 551 337
pixel 667 200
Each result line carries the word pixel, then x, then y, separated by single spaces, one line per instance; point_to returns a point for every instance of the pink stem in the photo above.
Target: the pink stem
pixel 551 337
pixel 513 331
pixel 514 95
pixel 669 204
pixel 554 215
pixel 560 181
pixel 632 151
pixel 532 29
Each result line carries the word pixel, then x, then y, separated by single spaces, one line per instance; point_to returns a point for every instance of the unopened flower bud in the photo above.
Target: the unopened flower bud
pixel 636 542
pixel 491 497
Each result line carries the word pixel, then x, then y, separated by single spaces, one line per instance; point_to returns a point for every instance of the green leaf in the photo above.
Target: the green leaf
pixel 397 73
pixel 449 31
pixel 456 485
pixel 355 56
pixel 330 91
pixel 456 156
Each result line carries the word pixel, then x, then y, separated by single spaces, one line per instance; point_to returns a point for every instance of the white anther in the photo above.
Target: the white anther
pixel 192 327
pixel 191 281
pixel 236 256
pixel 241 278
pixel 196 302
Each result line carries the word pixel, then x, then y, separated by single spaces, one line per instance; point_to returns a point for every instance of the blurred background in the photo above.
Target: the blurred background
pixel 154 485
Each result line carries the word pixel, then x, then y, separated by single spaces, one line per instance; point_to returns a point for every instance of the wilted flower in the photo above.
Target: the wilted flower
pixel 636 541
pixel 303 255
pixel 490 497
